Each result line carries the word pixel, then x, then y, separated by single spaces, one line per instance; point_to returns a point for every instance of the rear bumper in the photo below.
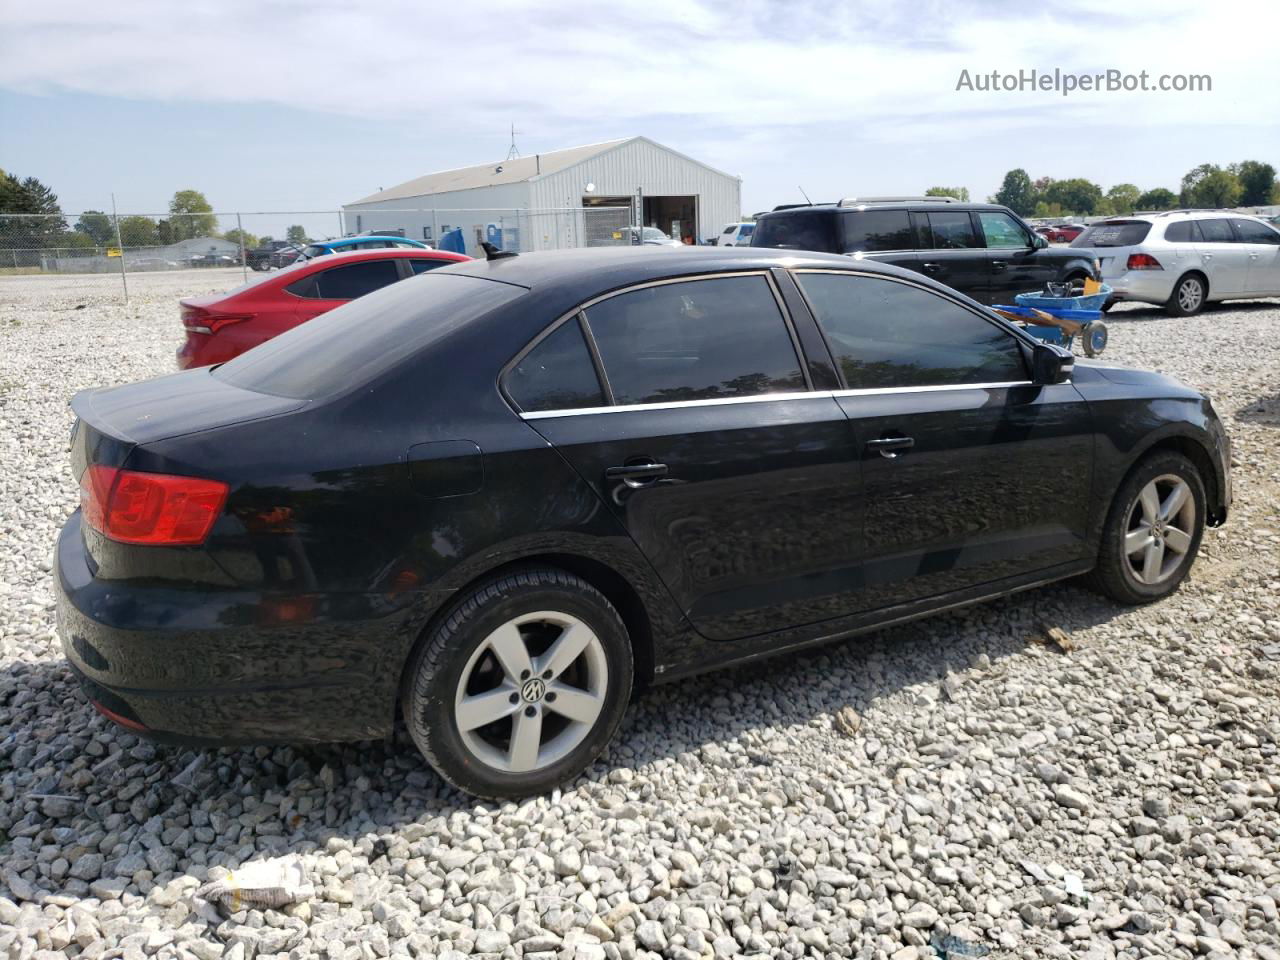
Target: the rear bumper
pixel 206 666
pixel 1142 286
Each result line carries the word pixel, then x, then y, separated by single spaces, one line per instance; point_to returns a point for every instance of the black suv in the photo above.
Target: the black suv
pixel 981 249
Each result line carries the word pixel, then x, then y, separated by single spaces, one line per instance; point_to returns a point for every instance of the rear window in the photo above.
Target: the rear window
pixel 1184 232
pixel 363 339
pixel 805 231
pixel 1114 233
pixel 871 230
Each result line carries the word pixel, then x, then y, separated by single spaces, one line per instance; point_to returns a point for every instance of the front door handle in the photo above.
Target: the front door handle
pixel 999 265
pixel 890 447
pixel 931 267
pixel 636 474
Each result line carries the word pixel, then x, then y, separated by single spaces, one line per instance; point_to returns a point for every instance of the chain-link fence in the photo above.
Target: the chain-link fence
pixel 105 251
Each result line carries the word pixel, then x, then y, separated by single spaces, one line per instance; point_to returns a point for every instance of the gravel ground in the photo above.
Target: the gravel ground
pixel 951 778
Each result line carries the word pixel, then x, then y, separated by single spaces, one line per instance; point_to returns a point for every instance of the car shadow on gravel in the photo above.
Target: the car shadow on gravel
pixel 1127 313
pixel 1264 411
pixel 67 764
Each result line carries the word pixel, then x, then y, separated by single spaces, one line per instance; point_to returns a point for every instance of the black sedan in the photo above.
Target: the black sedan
pixel 499 495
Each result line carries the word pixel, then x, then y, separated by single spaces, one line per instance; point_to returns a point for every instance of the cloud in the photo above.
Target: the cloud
pixel 885 67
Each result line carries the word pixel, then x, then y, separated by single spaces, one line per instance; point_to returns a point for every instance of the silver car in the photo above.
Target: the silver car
pixel 1183 259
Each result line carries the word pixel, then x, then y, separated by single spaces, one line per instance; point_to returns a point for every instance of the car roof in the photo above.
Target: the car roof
pixel 384 253
pixel 604 268
pixel 339 241
pixel 915 205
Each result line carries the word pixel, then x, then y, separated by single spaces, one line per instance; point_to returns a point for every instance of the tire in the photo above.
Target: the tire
pixel 455 678
pixel 1127 577
pixel 1094 338
pixel 1188 296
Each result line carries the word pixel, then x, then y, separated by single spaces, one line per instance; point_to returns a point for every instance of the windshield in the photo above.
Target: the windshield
pixel 357 342
pixel 1113 233
pixel 747 230
pixel 314 250
pixel 653 233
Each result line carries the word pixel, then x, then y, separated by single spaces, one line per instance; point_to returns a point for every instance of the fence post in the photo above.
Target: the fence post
pixel 244 270
pixel 341 225
pixel 124 281
pixel 435 230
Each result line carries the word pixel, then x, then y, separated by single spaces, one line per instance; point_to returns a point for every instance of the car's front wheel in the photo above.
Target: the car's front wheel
pixel 1188 296
pixel 1152 531
pixel 521 686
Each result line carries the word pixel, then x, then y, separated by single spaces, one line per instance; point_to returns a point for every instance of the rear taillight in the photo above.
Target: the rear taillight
pixel 157 509
pixel 199 320
pixel 1142 261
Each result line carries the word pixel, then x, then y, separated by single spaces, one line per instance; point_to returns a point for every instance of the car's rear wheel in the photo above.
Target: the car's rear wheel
pixel 1188 296
pixel 1152 531
pixel 521 685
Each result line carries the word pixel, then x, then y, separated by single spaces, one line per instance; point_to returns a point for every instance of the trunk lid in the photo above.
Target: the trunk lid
pixel 180 403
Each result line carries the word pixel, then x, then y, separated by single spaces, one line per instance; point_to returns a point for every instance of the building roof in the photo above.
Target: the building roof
pixel 515 170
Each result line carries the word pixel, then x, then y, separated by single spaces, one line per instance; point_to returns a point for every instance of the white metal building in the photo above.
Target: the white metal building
pixel 577 197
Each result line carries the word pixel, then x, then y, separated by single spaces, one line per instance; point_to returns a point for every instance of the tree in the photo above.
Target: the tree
pixel 297 234
pixel 1017 193
pixel 234 236
pixel 1257 182
pixel 1157 199
pixel 1208 185
pixel 40 225
pixel 191 216
pixel 138 232
pixel 97 226
pixel 1076 195
pixel 1123 198
pixel 1043 209
pixel 960 193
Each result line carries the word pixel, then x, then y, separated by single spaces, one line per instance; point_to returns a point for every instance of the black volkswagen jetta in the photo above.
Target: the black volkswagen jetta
pixel 500 494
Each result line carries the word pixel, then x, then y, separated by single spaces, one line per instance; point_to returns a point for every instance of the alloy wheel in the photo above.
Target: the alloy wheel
pixel 531 692
pixel 1160 530
pixel 1190 293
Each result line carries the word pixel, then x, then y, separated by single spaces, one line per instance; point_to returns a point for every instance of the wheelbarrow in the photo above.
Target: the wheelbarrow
pixel 1061 319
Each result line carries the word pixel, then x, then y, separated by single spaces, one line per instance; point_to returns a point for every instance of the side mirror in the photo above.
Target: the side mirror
pixel 1050 364
pixel 1039 241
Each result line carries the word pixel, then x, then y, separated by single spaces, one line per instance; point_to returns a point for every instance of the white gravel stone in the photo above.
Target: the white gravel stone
pixel 735 816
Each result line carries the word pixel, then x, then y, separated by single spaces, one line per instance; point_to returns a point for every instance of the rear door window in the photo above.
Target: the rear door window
pixel 695 340
pixel 886 334
pixel 868 231
pixel 1216 231
pixel 952 231
pixel 1116 233
pixel 1185 232
pixel 1002 232
pixel 557 374
pixel 1251 231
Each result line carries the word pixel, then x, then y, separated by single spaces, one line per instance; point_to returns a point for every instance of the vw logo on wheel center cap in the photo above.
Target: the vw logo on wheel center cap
pixel 531 691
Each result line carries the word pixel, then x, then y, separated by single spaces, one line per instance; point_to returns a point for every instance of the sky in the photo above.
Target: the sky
pixel 281 106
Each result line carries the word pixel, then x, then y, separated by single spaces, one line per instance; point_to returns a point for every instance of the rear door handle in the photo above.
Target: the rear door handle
pixel 999 265
pixel 931 267
pixel 890 447
pixel 636 474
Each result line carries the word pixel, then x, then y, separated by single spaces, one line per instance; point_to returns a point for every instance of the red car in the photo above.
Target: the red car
pixel 225 325
pixel 1061 232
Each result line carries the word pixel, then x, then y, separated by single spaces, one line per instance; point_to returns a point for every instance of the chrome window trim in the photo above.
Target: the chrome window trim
pixel 767 397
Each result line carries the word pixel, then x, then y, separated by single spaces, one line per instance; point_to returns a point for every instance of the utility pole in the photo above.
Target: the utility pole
pixel 124 281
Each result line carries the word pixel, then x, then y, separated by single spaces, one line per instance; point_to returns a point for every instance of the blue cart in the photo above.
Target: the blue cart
pixel 1061 320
